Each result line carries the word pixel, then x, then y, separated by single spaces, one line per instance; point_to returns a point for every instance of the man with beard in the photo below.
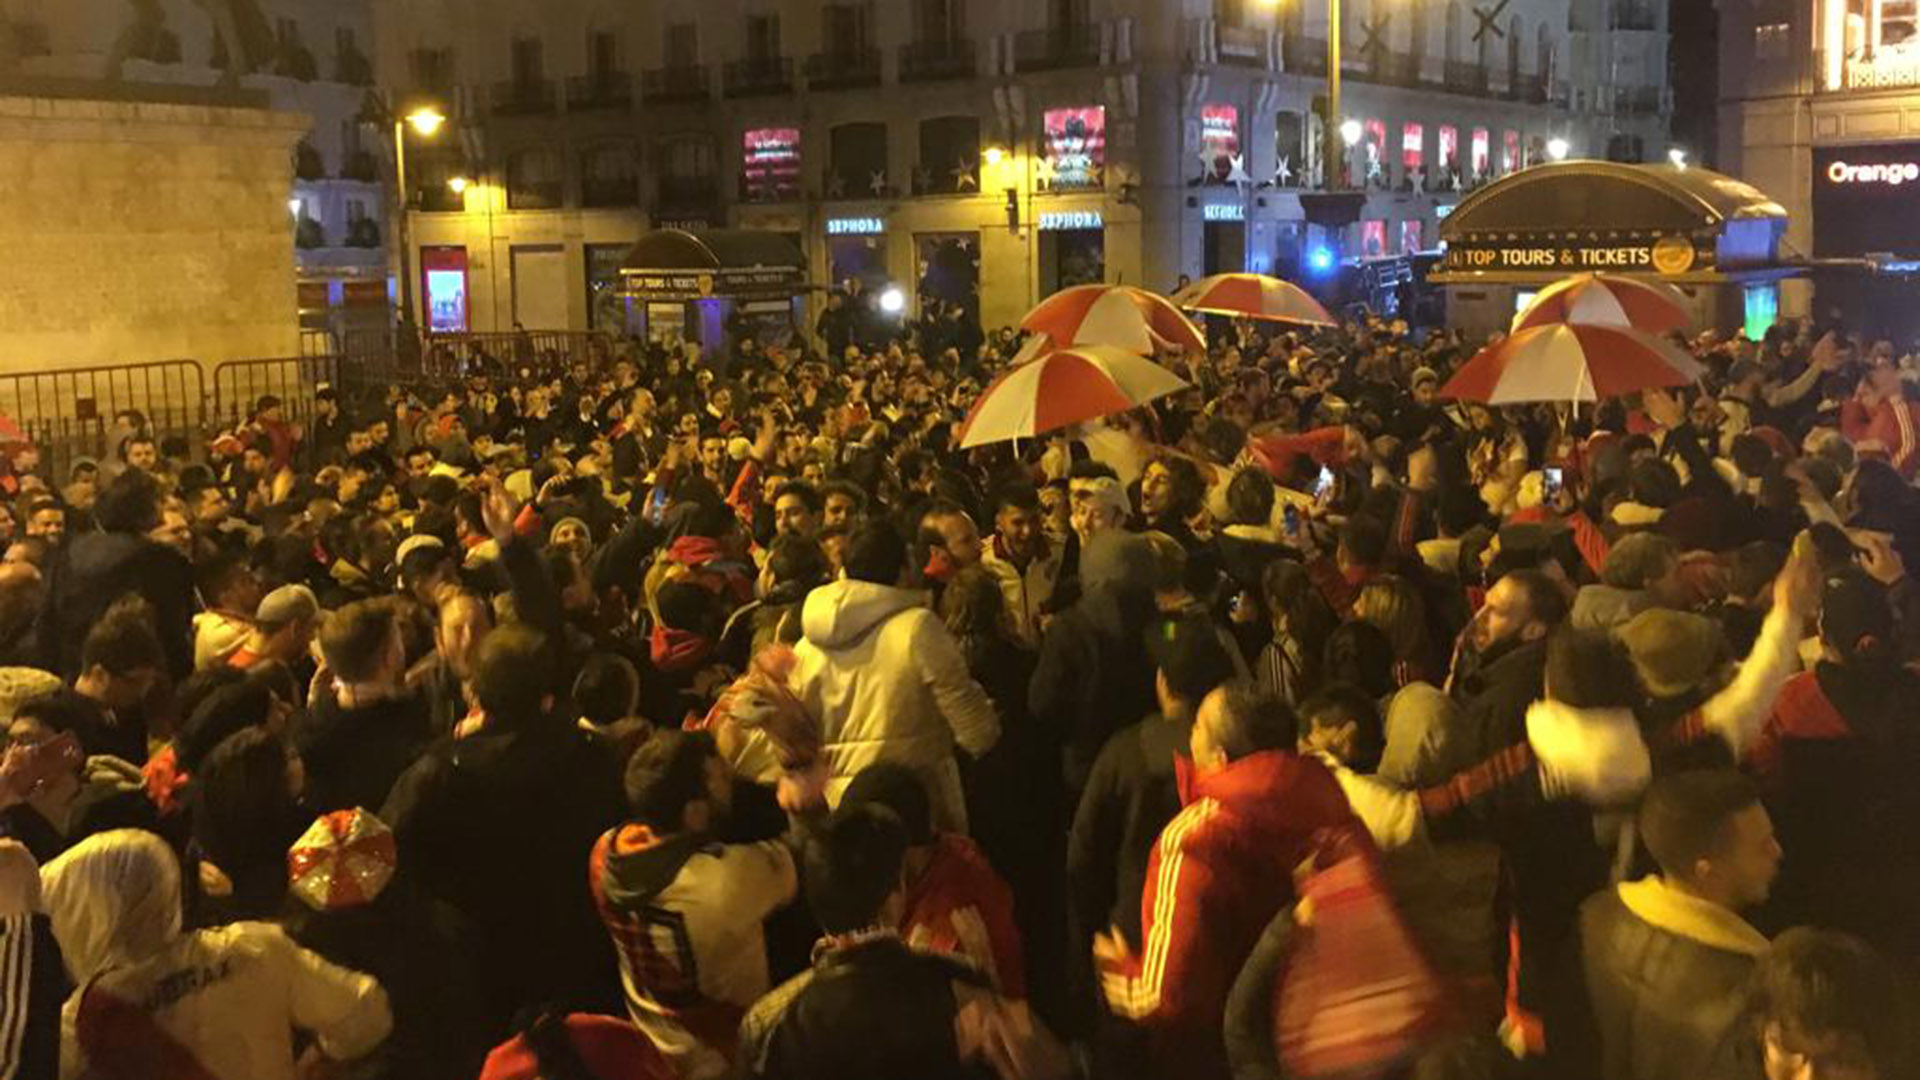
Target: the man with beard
pixel 1502 668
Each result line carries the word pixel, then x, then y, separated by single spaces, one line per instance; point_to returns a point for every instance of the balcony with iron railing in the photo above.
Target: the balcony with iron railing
pixel 686 193
pixel 1641 100
pixel 1239 46
pixel 1466 77
pixel 438 199
pixel 610 90
pixel 352 67
pixel 1531 89
pixel 758 76
pixel 1634 15
pixel 523 97
pixel 1304 55
pixel 599 192
pixel 534 194
pixel 359 165
pixel 1057 48
pixel 928 61
pixel 668 85
pixel 843 69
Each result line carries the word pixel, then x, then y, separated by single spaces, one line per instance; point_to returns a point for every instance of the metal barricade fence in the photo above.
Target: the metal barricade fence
pixel 71 413
pixel 238 385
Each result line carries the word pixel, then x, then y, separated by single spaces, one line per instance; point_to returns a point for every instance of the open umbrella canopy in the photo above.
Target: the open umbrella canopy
pixel 1062 387
pixel 1255 296
pixel 1559 362
pixel 1606 300
pixel 1118 315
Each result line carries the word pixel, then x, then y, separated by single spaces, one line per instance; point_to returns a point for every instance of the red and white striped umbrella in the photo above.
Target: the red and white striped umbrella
pixel 1255 296
pixel 1561 362
pixel 1606 300
pixel 344 859
pixel 1062 387
pixel 1118 315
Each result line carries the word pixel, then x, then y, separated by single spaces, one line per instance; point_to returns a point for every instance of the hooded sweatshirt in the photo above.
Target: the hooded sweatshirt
pixel 684 913
pixel 889 683
pixel 211 1005
pixel 1218 874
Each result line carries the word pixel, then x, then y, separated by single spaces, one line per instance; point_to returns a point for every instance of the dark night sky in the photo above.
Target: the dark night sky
pixel 1693 62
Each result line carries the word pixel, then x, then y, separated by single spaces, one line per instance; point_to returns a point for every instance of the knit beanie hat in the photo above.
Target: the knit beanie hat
pixel 343 860
pixel 1673 651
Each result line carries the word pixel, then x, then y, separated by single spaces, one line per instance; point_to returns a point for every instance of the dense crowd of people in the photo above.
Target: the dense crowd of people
pixel 653 715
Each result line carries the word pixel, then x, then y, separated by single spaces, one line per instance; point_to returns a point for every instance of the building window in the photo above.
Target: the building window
pixel 603 54
pixel 940 21
pixel 608 176
pixel 1373 151
pixel 770 164
pixel 529 63
pixel 1074 148
pixel 1219 143
pixel 1770 41
pixel 847 28
pixel 682 46
pixel 1413 138
pixel 857 166
pixel 432 69
pixel 763 38
pixel 533 180
pixel 1509 152
pixel 1373 238
pixel 1290 148
pixel 1482 154
pixel 686 173
pixel 1899 24
pixel 1410 236
pixel 949 156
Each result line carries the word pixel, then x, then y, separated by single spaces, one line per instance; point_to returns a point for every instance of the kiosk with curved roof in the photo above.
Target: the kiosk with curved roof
pixel 1690 227
pixel 701 285
pixel 674 264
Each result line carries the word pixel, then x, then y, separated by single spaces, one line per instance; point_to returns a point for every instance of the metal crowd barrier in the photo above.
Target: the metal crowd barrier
pixel 71 413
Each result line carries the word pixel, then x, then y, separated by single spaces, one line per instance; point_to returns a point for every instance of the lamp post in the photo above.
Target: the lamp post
pixel 425 120
pixel 1333 95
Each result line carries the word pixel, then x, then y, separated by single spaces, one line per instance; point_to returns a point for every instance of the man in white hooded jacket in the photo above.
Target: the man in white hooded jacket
pixel 886 680
pixel 160 1004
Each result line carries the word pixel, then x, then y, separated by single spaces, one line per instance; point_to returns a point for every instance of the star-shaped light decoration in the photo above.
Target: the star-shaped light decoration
pixel 836 185
pixel 1237 171
pixel 877 182
pixel 922 178
pixel 1093 174
pixel 1283 173
pixel 1458 182
pixel 1209 172
pixel 1043 173
pixel 965 175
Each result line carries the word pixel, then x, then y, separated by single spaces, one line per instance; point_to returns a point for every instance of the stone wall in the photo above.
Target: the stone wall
pixel 133 231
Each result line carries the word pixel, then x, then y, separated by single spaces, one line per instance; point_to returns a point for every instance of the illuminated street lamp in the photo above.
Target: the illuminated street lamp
pixel 992 155
pixel 425 120
pixel 1557 148
pixel 1677 157
pixel 1350 131
pixel 457 185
